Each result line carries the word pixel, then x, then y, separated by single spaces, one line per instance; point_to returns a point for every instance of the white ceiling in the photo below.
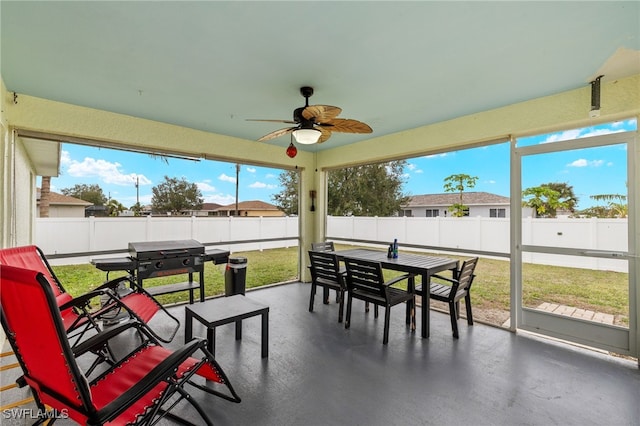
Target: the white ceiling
pixel 210 65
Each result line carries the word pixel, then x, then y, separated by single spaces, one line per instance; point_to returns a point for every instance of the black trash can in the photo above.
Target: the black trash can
pixel 235 276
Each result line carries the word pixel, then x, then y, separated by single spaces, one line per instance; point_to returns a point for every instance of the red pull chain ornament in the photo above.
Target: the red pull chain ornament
pixel 292 151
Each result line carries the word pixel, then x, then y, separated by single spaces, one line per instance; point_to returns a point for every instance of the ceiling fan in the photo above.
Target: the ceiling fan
pixel 314 123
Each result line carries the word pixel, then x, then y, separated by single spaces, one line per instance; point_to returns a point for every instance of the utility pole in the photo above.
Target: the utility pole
pixel 237 182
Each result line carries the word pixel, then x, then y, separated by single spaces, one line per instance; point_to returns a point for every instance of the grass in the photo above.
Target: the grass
pixel 599 291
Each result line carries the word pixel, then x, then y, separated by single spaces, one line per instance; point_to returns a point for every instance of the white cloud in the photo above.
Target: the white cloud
pixel 205 187
pixel 226 178
pixel 106 171
pixel 444 154
pixel 585 163
pixel 261 185
pixel 490 181
pixel 414 168
pixel 579 163
pixel 270 176
pixel 220 199
pixel 583 133
pixel 251 169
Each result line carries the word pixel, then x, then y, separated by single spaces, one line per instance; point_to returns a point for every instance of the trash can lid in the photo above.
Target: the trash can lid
pixel 237 260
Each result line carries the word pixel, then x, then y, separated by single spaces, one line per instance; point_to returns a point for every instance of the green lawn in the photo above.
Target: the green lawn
pixel 600 291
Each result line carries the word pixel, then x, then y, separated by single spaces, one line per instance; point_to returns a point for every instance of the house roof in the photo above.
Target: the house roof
pixel 447 199
pixel 249 205
pixel 210 206
pixel 63 200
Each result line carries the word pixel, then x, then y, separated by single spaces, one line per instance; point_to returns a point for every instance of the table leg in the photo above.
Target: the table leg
pixel 265 334
pixel 238 329
pixel 426 305
pixel 411 288
pixel 188 321
pixel 202 285
pixel 211 340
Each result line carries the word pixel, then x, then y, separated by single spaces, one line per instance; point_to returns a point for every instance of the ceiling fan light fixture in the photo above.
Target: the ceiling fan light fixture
pixel 307 136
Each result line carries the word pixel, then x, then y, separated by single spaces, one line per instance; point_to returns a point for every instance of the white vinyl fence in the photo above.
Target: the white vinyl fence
pixel 107 237
pixel 492 235
pixel 99 237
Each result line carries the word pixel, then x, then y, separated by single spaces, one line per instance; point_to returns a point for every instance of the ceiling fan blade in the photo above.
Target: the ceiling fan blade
pixel 277 134
pixel 326 133
pixel 320 113
pixel 346 125
pixel 272 121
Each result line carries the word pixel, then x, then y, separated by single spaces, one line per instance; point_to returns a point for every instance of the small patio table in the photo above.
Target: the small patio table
pixel 418 264
pixel 225 310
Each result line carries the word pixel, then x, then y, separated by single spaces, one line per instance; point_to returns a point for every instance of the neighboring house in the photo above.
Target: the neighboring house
pixel 208 209
pixel 253 208
pixel 62 205
pixel 483 204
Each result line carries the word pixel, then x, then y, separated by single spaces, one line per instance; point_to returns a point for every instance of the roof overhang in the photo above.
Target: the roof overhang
pixel 44 156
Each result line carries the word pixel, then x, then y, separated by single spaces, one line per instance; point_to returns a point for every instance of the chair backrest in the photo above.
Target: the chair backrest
pixel 325 266
pixel 465 275
pixel 32 258
pixel 323 246
pixel 365 275
pixel 32 322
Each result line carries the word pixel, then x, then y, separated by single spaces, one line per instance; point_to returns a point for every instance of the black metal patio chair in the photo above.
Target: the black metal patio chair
pixel 326 273
pixel 365 281
pixel 454 289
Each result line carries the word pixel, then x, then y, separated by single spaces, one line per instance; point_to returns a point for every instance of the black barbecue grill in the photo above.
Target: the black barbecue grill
pixel 151 259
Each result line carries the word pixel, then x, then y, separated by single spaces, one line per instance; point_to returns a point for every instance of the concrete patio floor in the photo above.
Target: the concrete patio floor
pixel 318 373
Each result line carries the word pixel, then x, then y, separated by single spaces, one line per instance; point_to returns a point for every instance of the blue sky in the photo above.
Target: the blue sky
pixel 590 172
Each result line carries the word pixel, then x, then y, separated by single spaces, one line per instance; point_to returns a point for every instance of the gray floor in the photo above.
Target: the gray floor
pixel 318 373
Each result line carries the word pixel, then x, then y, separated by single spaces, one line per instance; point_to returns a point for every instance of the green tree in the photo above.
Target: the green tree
pixel 544 200
pixel 369 190
pixel 566 196
pixel 91 193
pixel 616 206
pixel 174 195
pixel 114 207
pixel 287 199
pixel 548 198
pixel 458 183
pixel 136 209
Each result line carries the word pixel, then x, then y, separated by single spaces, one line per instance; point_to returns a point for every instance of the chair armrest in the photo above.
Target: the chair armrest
pixel 398 279
pixel 83 300
pixel 102 337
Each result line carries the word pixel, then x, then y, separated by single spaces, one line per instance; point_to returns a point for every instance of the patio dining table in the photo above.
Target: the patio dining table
pixel 418 264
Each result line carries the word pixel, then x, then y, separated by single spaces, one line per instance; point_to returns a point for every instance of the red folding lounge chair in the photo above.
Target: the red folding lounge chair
pixel 140 388
pixel 77 316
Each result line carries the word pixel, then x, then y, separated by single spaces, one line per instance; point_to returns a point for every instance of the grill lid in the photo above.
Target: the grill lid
pixel 165 249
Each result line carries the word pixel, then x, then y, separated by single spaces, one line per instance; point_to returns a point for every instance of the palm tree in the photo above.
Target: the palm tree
pixel 45 196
